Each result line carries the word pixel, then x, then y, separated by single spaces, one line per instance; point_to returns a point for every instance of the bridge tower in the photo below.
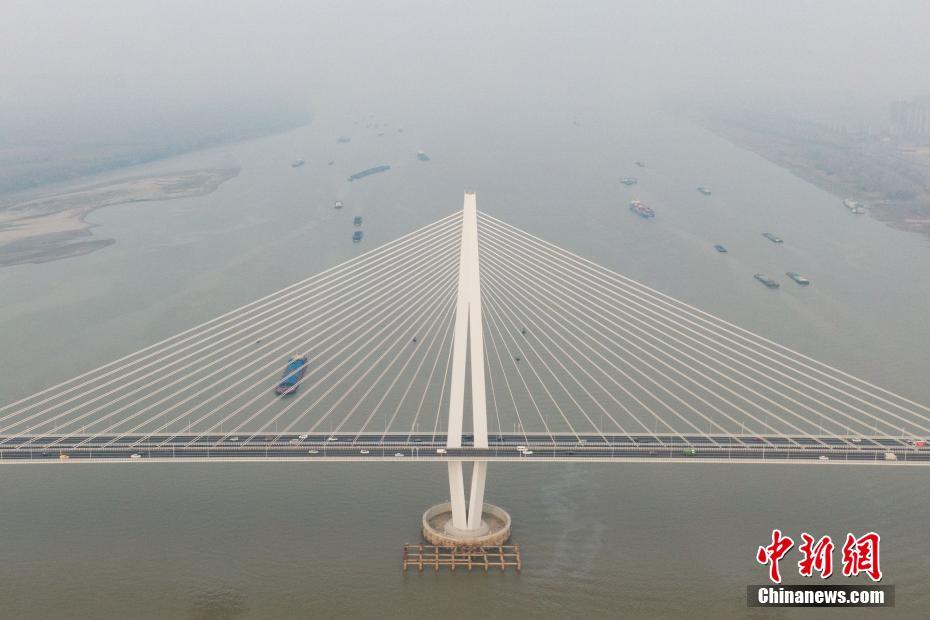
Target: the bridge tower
pixel 450 523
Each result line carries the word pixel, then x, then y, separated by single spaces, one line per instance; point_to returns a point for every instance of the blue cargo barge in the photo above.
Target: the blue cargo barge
pixel 293 373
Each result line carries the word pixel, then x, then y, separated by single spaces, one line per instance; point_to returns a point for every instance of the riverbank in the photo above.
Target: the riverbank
pixel 892 179
pixel 51 227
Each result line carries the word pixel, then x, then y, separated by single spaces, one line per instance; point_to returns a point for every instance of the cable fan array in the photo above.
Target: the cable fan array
pixel 582 349
pixel 571 349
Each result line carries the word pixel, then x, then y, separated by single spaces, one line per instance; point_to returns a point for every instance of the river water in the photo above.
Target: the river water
pixel 324 540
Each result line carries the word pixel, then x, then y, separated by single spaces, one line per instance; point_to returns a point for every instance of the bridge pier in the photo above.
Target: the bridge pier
pixel 457 495
pixel 494 527
pixel 479 475
pixel 451 523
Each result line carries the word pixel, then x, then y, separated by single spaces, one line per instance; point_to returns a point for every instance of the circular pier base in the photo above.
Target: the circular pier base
pixel 438 530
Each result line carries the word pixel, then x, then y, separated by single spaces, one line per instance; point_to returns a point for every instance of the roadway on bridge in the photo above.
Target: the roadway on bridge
pixel 377 447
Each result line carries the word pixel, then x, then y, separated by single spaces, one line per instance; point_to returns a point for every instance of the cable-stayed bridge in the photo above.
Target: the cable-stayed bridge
pixel 574 362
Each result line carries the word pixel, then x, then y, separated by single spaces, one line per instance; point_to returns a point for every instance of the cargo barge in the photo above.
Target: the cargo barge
pixel 764 279
pixel 369 172
pixel 641 210
pixel 293 373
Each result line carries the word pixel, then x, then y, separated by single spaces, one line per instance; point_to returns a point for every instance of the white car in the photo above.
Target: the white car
pixel 823 457
pixel 234 439
pixel 891 456
pixel 294 442
pixel 313 452
pixel 302 437
pixel 363 451
pixel 440 450
pixel 521 448
pixel 333 438
pixel 135 455
pixel 398 454
pixel 527 452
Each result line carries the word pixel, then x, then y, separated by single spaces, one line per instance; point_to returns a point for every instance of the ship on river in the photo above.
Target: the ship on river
pixel 641 210
pixel 854 206
pixel 369 171
pixel 764 279
pixel 293 373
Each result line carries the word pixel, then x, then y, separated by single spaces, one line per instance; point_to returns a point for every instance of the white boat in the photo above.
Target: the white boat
pixel 854 206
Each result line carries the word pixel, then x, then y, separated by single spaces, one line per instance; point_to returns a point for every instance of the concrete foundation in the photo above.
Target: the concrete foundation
pixel 438 530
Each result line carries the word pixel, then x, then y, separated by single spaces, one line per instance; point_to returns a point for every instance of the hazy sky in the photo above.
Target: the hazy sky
pixel 77 53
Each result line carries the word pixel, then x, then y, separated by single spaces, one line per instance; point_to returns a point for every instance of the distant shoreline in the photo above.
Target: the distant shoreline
pixel 893 182
pixel 53 226
pixel 26 168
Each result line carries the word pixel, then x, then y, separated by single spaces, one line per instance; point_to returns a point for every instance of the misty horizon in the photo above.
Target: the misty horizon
pixel 109 55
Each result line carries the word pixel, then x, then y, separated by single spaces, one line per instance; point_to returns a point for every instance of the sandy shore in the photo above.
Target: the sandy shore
pixel 53 226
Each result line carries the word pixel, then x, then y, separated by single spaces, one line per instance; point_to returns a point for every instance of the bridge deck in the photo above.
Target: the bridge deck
pixel 508 447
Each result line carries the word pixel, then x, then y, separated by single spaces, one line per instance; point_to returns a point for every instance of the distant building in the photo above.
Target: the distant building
pixel 910 118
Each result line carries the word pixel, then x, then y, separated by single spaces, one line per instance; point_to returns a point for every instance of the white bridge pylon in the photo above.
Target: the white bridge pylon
pixel 468 346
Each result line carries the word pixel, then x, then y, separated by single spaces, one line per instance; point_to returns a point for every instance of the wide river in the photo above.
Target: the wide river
pixel 324 540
